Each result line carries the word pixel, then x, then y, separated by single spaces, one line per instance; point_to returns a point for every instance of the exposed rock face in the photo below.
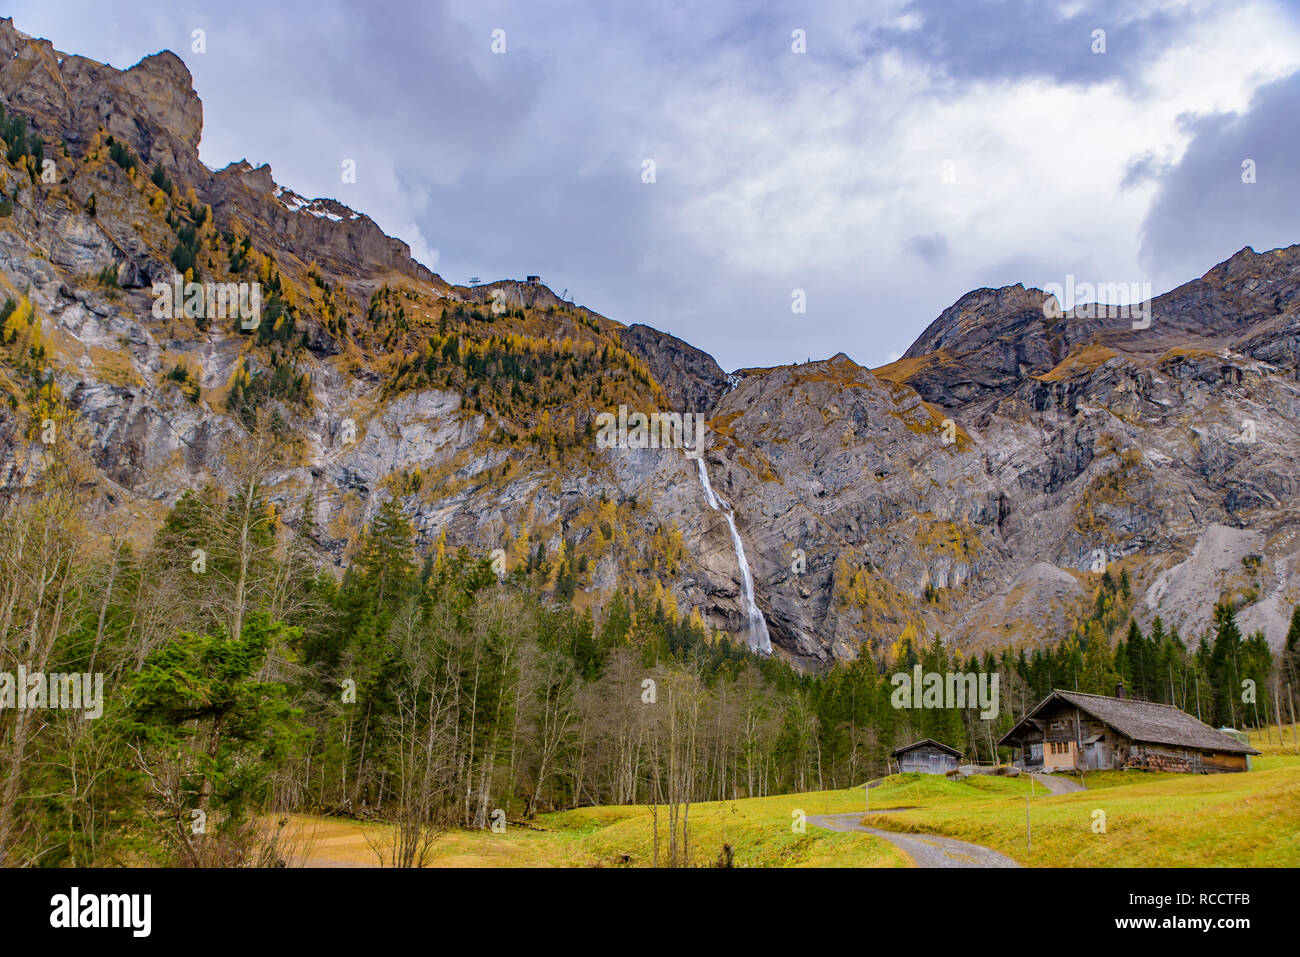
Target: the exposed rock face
pixel 966 489
pixel 330 233
pixel 152 107
pixel 985 344
pixel 981 317
pixel 690 377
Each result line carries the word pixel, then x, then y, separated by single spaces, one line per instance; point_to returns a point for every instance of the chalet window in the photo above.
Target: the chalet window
pixel 1035 751
pixel 1058 726
pixel 1059 747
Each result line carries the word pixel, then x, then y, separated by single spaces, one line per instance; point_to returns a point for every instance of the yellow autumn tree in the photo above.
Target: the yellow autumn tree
pixel 697 621
pixel 664 595
pixel 520 546
pixel 607 518
pixel 19 322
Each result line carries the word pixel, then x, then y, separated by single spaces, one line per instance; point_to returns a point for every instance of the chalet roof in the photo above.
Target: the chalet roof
pixel 1145 721
pixel 922 743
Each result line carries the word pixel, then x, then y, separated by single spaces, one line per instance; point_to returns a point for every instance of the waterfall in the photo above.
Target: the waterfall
pixel 758 637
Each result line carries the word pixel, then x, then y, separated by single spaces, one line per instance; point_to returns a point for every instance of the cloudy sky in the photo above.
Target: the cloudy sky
pixel 916 150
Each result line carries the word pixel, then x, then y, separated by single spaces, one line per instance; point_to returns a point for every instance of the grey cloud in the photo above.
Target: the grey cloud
pixel 1203 212
pixel 1142 169
pixel 933 249
pixel 1012 39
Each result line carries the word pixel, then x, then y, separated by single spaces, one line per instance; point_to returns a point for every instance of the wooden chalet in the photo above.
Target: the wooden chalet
pixel 926 757
pixel 1090 732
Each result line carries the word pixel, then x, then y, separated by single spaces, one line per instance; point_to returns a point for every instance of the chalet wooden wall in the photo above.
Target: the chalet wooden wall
pixel 927 760
pixel 1218 761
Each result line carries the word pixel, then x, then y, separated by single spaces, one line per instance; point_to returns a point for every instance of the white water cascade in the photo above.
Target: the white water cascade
pixel 759 639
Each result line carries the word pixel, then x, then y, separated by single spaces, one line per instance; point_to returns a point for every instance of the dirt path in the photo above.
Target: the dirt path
pixel 1059 783
pixel 927 850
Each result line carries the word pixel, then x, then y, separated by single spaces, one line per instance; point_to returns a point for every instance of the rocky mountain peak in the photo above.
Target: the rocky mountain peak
pixel 151 107
pixel 976 318
pixel 689 376
pixel 257 179
pixel 164 89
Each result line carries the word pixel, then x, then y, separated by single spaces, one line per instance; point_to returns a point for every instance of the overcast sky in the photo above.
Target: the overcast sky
pixel 915 151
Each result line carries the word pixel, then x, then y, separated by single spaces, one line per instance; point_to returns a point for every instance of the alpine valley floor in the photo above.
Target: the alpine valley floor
pixel 1151 819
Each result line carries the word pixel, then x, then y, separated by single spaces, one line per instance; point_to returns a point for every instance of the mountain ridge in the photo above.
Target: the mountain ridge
pixel 964 489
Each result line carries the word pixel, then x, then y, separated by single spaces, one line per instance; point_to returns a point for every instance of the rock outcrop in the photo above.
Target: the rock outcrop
pixel 691 378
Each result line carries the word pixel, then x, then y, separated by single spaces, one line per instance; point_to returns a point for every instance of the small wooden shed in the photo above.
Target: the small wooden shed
pixel 926 757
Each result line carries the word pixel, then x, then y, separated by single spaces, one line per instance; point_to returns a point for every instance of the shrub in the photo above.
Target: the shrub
pixel 185 255
pixel 159 177
pixel 123 155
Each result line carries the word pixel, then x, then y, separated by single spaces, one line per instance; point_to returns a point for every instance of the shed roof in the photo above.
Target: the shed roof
pixel 922 743
pixel 1144 721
